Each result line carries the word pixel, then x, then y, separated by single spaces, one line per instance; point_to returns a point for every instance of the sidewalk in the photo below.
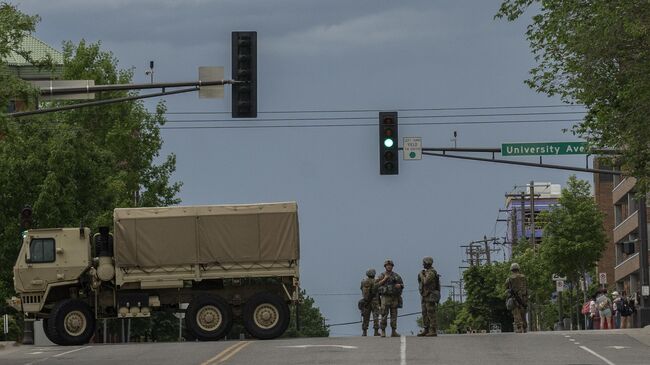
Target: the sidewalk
pixel 640 334
pixel 5 344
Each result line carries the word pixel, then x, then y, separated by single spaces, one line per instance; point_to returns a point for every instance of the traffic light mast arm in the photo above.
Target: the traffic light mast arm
pixel 119 87
pixel 426 151
pixel 99 102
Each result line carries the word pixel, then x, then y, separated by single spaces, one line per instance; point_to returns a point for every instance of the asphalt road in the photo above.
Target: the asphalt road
pixel 618 347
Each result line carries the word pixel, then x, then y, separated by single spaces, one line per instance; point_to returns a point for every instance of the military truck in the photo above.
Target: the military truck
pixel 225 262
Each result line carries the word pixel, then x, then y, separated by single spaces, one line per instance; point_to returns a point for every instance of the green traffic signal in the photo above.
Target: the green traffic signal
pixel 388 142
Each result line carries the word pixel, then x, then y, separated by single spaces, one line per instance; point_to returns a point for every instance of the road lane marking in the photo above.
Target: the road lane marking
pixel 402 351
pixel 308 346
pixel 71 351
pixel 597 355
pixel 233 352
pixel 217 358
pixel 35 353
pixel 618 347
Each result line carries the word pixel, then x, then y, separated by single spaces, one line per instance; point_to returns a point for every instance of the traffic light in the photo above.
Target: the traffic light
pixel 244 68
pixel 388 160
pixel 26 218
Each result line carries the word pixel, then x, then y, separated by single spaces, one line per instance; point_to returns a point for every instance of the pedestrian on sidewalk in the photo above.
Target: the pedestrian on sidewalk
pixel 604 309
pixel 617 306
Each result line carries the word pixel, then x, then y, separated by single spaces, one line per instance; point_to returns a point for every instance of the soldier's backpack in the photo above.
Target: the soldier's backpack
pixel 510 303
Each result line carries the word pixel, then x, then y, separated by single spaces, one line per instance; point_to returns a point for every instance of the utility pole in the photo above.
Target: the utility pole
pixel 644 310
pixel 533 238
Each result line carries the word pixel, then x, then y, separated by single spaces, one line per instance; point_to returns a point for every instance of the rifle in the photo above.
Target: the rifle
pixel 516 296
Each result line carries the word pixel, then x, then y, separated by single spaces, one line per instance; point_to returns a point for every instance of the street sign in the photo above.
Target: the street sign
pixel 544 148
pixel 602 278
pixel 412 148
pixel 211 74
pixel 645 290
pixel 6 323
pixel 559 286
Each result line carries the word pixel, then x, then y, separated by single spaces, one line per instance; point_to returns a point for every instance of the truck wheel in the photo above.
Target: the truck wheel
pixel 71 322
pixel 46 330
pixel 266 316
pixel 208 318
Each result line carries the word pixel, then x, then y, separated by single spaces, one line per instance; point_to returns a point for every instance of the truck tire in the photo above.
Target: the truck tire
pixel 208 318
pixel 266 316
pixel 71 322
pixel 46 330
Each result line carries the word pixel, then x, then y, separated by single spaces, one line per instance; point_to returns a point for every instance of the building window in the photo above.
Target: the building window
pixel 632 204
pixel 618 214
pixel 41 250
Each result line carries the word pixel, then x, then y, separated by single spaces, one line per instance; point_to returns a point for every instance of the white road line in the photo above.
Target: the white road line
pixel 597 355
pixel 35 353
pixel 576 343
pixel 571 339
pixel 71 351
pixel 402 351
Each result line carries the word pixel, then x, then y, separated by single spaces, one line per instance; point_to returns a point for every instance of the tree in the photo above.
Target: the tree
pixel 75 167
pixel 596 53
pixel 485 298
pixel 312 322
pixel 574 238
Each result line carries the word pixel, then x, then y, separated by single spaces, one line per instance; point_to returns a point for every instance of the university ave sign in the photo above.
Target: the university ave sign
pixel 544 148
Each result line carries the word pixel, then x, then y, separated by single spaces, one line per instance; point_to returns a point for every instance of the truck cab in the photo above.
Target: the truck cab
pixel 49 260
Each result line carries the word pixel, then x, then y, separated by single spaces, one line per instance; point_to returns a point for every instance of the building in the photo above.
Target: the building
pixel 518 207
pixel 22 68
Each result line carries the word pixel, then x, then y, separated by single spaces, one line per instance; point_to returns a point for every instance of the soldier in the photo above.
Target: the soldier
pixel 429 286
pixel 518 291
pixel 369 303
pixel 390 289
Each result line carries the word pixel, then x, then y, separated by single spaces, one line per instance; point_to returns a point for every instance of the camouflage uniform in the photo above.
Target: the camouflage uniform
pixel 390 299
pixel 429 286
pixel 517 289
pixel 370 293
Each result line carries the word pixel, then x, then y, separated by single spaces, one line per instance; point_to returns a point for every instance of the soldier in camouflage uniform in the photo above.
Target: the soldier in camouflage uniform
pixel 390 289
pixel 370 302
pixel 429 285
pixel 517 289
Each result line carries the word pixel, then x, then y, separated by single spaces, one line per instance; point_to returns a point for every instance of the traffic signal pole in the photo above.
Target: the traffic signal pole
pixel 196 85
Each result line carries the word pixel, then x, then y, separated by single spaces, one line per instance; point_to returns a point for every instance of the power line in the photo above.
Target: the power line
pixel 375 117
pixel 306 111
pixel 357 322
pixel 370 124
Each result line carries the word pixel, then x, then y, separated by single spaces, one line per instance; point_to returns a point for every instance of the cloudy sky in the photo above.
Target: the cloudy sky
pixel 337 57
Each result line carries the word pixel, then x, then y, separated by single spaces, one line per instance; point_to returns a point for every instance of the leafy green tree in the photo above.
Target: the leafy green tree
pixel 312 322
pixel 75 167
pixel 485 298
pixel 574 238
pixel 596 53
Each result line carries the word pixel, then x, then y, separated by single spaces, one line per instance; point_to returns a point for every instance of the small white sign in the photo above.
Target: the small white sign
pixel 645 290
pixel 559 286
pixel 412 148
pixel 557 277
pixel 6 323
pixel 602 278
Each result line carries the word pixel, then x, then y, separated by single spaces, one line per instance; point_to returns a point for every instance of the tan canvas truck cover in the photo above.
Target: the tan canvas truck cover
pixel 222 234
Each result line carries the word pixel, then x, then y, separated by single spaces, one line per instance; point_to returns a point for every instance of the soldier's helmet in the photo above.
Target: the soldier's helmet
pixel 389 262
pixel 427 261
pixel 371 273
pixel 514 267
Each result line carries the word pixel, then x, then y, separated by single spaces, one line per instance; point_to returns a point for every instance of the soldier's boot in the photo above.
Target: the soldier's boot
pixel 432 333
pixel 383 332
pixel 394 333
pixel 377 332
pixel 422 333
pixel 364 333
